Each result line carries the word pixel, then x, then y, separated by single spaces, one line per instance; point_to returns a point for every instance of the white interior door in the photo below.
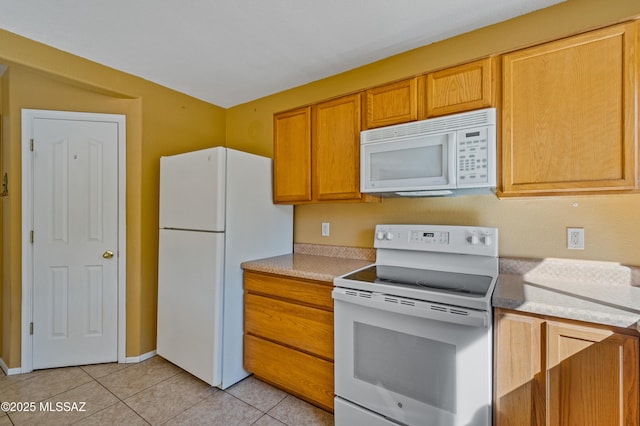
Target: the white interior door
pixel 75 242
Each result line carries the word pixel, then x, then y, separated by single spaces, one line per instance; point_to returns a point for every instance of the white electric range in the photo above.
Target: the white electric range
pixel 413 332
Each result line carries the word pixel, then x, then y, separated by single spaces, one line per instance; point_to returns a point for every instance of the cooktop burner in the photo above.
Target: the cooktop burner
pixel 424 280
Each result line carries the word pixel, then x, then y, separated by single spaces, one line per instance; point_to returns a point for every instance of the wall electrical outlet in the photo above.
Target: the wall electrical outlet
pixel 575 238
pixel 325 229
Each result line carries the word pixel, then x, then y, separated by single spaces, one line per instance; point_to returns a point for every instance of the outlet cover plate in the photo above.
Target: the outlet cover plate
pixel 575 238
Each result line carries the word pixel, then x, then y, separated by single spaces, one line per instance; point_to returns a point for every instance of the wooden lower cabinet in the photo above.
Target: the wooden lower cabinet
pixel 556 372
pixel 518 370
pixel 303 375
pixel 288 335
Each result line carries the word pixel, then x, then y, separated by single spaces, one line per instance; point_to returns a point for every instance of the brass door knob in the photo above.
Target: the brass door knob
pixel 107 254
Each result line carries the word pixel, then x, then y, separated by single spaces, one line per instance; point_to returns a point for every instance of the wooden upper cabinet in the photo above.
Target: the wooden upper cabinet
pixel 393 103
pixel 457 89
pixel 292 156
pixel 316 154
pixel 336 149
pixel 569 116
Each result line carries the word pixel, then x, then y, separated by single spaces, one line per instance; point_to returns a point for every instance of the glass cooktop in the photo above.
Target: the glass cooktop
pixel 423 279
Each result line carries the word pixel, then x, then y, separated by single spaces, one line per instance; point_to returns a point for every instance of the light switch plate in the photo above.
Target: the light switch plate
pixel 325 229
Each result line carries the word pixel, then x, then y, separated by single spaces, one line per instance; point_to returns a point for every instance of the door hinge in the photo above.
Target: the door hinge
pixel 31 237
pixel 31 329
pixel 31 144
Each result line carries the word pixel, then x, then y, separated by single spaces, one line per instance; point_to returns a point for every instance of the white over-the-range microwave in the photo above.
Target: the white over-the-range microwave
pixel 450 155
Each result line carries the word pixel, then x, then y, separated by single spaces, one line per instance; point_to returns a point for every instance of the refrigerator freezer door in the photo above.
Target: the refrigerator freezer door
pixel 192 190
pixel 190 277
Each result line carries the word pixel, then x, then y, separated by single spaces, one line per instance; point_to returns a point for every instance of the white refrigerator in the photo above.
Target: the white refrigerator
pixel 216 211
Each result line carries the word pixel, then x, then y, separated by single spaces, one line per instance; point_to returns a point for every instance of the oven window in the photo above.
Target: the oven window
pixel 413 366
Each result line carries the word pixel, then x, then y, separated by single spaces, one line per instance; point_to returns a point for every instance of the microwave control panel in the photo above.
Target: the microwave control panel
pixel 474 159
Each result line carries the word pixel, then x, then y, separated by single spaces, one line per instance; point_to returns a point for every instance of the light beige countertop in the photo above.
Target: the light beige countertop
pixel 597 292
pixel 314 262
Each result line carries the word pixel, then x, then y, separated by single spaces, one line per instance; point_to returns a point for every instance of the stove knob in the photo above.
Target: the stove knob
pixel 389 235
pixel 487 240
pixel 380 235
pixel 474 240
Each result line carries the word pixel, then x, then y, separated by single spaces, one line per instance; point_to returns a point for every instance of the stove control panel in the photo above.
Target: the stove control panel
pixel 425 237
pixel 429 237
pixel 438 238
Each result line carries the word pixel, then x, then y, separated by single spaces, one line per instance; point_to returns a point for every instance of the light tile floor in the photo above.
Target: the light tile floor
pixel 152 392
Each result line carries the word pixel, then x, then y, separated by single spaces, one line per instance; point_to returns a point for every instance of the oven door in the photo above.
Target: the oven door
pixel 408 367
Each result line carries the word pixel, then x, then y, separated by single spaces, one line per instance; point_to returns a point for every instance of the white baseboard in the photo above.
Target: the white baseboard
pixel 9 371
pixel 140 358
pixel 128 360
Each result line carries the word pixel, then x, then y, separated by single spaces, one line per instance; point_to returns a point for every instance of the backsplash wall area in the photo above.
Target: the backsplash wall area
pixel 529 228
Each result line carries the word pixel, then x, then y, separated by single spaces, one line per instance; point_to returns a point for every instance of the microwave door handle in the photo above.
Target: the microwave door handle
pixel 452 158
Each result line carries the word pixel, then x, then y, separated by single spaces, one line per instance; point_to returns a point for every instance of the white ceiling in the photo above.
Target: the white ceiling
pixel 228 52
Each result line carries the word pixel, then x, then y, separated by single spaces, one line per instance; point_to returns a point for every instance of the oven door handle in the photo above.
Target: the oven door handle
pixel 417 308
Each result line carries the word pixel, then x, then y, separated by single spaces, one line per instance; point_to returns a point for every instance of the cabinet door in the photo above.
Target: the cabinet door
pixel 461 88
pixel 519 370
pixel 292 156
pixel 391 104
pixel 336 149
pixel 593 376
pixel 569 116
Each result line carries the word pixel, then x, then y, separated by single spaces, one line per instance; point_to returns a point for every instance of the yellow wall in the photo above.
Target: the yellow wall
pixel 533 227
pixel 159 122
pixel 163 122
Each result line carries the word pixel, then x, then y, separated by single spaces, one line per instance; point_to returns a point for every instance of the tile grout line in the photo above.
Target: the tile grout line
pixel 271 417
pixel 115 403
pixel 136 393
pixel 173 416
pixel 111 377
pixel 59 393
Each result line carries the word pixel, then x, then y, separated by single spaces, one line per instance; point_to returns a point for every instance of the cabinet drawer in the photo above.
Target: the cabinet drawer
pixel 303 375
pixel 313 293
pixel 300 327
